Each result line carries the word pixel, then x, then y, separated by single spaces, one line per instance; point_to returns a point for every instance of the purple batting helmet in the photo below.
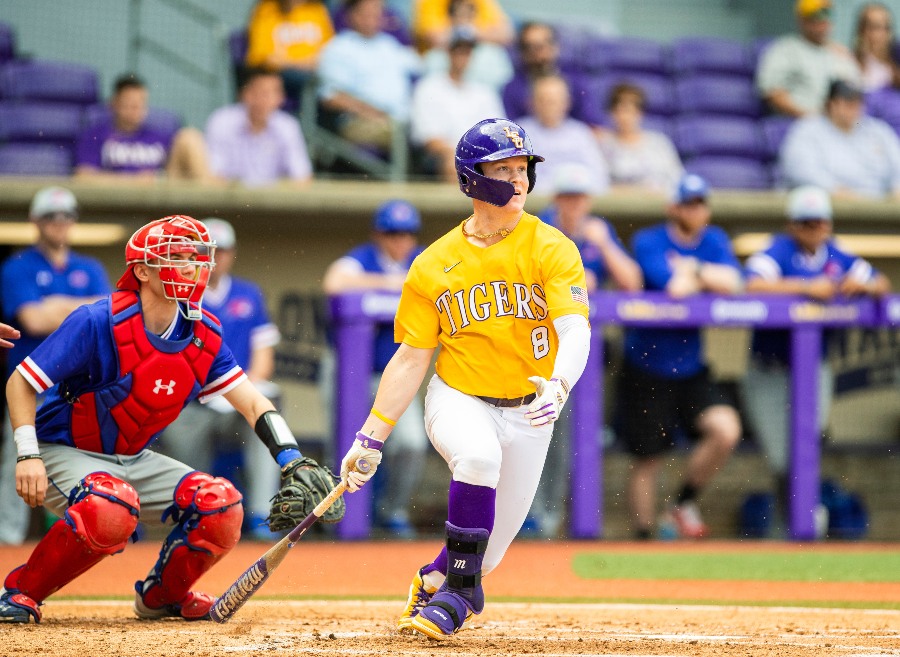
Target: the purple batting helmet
pixel 488 141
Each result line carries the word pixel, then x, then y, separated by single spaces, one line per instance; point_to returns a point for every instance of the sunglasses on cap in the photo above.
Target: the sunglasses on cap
pixel 58 216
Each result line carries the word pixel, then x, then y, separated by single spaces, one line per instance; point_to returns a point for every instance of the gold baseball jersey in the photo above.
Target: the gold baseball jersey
pixel 491 310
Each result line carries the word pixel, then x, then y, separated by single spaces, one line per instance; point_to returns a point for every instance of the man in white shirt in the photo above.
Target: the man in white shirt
pixel 445 105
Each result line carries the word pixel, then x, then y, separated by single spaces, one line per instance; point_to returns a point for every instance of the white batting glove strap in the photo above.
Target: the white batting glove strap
pixel 366 448
pixel 551 397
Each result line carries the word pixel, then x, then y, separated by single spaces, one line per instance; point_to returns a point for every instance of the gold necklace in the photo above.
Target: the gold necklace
pixel 503 232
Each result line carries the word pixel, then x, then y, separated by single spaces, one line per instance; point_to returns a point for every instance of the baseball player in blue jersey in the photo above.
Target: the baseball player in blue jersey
pixel 115 374
pixel 804 260
pixel 382 264
pixel 40 286
pixel 665 383
pixel 239 306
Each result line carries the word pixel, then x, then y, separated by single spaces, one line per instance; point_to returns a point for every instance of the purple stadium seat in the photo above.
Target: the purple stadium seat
pixel 725 172
pixel 719 135
pixel 657 90
pixel 884 104
pixel 35 160
pixel 717 94
pixel 774 128
pixel 7 43
pixel 659 123
pixel 161 120
pixel 49 81
pixel 51 123
pixel 711 55
pixel 628 54
pixel 237 47
pixel 573 44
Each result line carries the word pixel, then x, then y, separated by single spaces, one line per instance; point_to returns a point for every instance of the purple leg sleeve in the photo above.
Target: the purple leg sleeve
pixel 467 506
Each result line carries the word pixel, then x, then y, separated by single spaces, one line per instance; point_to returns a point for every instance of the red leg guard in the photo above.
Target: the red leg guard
pixel 209 512
pixel 102 515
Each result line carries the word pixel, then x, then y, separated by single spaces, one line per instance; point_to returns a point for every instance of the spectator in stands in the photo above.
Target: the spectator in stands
pixel 559 137
pixel 124 145
pixel 382 264
pixel 803 261
pixel 637 158
pixel 392 21
pixel 254 142
pixel 366 77
pixel 665 384
pixel 843 151
pixel 287 36
pixel 538 50
pixel 795 70
pixel 445 105
pixel 436 21
pixel 874 46
pixel 606 263
pixel 40 286
pixel 202 430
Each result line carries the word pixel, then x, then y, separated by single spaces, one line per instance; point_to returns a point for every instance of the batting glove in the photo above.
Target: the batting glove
pixel 551 396
pixel 366 448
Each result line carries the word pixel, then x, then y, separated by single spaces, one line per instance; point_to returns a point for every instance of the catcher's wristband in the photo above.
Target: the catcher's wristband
pixel 368 442
pixel 26 440
pixel 275 434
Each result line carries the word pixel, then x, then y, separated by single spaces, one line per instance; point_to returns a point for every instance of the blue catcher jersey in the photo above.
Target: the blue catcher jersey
pixel 671 354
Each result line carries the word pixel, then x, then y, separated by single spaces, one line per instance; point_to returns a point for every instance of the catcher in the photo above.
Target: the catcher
pixel 113 375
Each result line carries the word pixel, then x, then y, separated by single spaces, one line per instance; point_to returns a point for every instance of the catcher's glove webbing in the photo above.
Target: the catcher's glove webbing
pixel 304 483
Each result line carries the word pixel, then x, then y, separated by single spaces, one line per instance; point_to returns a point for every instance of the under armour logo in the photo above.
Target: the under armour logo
pixel 514 137
pixel 167 387
pixel 459 563
pixel 182 288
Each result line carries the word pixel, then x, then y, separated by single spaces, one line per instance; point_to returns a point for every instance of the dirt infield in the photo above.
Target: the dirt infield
pixel 560 618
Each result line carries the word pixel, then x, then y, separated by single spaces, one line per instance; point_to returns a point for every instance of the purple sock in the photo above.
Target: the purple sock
pixel 467 506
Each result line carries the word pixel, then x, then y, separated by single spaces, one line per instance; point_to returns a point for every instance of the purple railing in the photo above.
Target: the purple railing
pixel 355 317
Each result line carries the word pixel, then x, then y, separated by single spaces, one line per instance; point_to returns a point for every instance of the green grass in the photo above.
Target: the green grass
pixel 819 566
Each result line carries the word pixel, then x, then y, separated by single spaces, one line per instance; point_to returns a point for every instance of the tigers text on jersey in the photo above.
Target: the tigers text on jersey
pixel 491 309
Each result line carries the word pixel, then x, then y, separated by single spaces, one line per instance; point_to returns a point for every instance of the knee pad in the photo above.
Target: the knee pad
pixel 208 514
pixel 209 511
pixel 103 511
pixel 477 470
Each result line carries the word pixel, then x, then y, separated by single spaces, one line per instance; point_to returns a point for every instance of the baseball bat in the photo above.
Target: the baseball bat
pixel 245 586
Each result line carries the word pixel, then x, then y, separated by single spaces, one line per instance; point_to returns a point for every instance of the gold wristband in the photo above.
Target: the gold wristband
pixel 383 418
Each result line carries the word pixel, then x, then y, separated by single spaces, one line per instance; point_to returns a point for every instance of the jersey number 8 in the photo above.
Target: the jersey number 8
pixel 540 342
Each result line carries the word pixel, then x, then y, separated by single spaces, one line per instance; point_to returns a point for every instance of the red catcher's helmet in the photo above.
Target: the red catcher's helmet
pixel 157 244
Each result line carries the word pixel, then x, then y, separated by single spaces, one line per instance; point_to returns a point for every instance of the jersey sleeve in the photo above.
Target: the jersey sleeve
pixel 417 322
pixel 18 289
pixel 224 375
pixel 564 280
pixel 66 352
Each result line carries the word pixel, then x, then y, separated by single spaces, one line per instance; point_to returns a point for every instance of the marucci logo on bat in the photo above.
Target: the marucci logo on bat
pixel 246 584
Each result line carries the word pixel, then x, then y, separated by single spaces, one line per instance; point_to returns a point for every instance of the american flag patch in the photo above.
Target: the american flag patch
pixel 579 294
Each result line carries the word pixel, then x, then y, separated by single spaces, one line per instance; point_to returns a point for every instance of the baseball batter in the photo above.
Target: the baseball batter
pixel 503 296
pixel 115 374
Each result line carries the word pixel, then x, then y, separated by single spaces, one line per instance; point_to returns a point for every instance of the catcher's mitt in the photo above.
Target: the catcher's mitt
pixel 304 483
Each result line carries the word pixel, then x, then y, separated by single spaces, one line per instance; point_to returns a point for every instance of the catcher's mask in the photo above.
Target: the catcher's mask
pixel 156 246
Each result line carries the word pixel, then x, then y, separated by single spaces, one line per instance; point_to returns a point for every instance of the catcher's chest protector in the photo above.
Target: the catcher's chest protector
pixel 152 387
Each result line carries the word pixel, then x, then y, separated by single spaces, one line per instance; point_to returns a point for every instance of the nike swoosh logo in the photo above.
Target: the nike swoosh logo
pixel 447 269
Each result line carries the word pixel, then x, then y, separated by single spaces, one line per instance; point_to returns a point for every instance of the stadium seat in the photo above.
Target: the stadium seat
pixel 49 81
pixel 7 43
pixel 717 94
pixel 884 104
pixel 692 55
pixel 719 135
pixel 573 44
pixel 724 172
pixel 657 90
pixel 35 160
pixel 774 128
pixel 52 123
pixel 631 54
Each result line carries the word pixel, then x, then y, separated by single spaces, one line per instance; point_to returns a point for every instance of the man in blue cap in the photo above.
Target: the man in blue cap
pixel 382 264
pixel 665 382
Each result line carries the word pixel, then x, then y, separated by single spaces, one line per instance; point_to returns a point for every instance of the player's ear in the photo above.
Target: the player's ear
pixel 142 272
